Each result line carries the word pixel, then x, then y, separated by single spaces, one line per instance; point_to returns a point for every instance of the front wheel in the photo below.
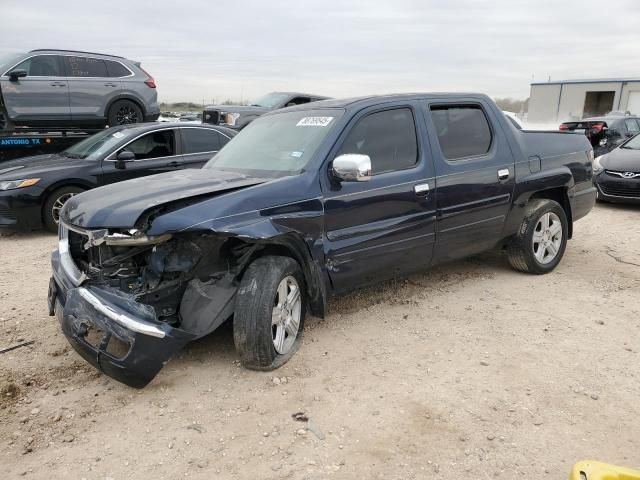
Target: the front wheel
pixel 269 313
pixel 54 203
pixel 541 240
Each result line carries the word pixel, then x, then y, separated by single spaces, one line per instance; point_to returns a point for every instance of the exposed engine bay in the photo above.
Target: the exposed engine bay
pixel 188 279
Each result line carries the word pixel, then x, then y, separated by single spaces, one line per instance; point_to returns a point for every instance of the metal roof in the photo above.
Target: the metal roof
pixel 594 80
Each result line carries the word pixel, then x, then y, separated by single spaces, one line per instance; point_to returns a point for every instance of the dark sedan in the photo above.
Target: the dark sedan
pixel 617 173
pixel 33 189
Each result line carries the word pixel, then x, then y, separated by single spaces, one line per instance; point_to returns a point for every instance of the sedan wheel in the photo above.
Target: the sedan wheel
pixel 54 203
pixel 58 204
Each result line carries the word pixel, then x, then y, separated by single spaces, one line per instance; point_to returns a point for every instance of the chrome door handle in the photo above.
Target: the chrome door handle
pixel 503 174
pixel 422 189
pixel 58 84
pixel 110 85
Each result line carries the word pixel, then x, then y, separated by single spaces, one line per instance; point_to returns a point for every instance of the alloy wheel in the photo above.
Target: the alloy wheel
pixel 547 238
pixel 285 317
pixel 126 115
pixel 58 204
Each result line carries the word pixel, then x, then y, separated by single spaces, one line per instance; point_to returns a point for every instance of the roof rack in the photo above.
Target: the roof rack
pixel 73 51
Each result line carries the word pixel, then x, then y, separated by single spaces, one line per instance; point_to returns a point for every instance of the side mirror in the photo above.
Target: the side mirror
pixel 352 167
pixel 124 157
pixel 14 75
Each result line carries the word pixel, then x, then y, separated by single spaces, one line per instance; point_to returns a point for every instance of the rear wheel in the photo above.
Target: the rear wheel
pixel 541 240
pixel 5 123
pixel 54 203
pixel 269 314
pixel 124 112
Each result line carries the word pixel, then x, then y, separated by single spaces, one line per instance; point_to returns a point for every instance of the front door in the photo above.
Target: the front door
pixel 383 227
pixel 475 177
pixel 155 152
pixel 40 97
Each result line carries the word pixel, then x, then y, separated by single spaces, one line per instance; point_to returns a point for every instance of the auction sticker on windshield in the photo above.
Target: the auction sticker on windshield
pixel 118 135
pixel 314 122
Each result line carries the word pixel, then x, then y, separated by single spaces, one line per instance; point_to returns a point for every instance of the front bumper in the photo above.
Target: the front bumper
pixel 21 209
pixel 109 329
pixel 615 189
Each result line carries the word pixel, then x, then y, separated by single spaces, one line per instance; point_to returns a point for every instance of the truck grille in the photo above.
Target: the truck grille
pixel 211 116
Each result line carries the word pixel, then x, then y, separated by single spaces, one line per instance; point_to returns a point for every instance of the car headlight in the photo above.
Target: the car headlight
pixel 13 184
pixel 597 167
pixel 230 118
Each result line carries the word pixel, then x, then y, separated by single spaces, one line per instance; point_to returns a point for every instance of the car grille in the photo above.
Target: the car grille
pixel 7 213
pixel 211 116
pixel 621 190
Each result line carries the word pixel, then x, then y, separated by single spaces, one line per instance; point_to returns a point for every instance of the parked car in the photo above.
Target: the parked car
pixel 239 116
pixel 305 203
pixel 607 132
pixel 68 88
pixel 34 189
pixel 617 173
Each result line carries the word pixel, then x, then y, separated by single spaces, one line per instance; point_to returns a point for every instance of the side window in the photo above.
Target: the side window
pixel 197 140
pixel 297 101
pixel 85 67
pixel 153 145
pixel 116 69
pixel 463 130
pixel 42 66
pixel 389 138
pixel 632 125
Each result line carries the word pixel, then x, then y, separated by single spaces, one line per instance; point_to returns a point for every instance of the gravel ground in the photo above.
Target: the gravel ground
pixel 470 370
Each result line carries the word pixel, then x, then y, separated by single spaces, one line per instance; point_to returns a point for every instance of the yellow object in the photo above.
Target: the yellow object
pixel 28 182
pixel 591 470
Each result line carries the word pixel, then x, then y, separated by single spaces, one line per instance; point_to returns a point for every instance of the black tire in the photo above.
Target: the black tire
pixel 53 204
pixel 522 252
pixel 253 331
pixel 5 123
pixel 124 112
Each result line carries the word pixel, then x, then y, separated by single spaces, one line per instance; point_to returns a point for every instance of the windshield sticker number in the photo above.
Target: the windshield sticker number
pixel 118 135
pixel 314 122
pixel 296 154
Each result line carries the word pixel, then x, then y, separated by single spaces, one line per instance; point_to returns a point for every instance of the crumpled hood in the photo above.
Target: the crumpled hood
pixel 38 164
pixel 622 160
pixel 120 205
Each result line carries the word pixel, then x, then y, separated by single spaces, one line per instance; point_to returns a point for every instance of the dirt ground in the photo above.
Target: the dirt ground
pixel 470 370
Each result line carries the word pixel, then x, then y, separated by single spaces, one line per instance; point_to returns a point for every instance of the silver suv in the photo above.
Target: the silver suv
pixel 45 88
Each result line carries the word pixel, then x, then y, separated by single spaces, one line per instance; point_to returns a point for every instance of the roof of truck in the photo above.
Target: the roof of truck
pixel 376 99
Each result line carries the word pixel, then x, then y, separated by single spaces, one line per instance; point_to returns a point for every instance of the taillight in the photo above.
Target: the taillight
pixel 564 127
pixel 597 127
pixel 149 82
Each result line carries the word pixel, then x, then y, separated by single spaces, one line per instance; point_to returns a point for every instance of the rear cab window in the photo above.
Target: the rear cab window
pixel 387 137
pixel 632 125
pixel 463 131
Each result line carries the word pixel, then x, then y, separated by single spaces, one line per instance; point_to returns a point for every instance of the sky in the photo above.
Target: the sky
pixel 206 51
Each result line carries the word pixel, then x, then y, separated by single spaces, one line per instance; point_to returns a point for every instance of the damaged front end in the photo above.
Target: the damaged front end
pixel 127 301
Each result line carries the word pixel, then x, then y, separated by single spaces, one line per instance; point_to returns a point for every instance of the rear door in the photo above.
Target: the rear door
pixel 156 152
pixel 474 176
pixel 43 95
pixel 199 145
pixel 383 227
pixel 91 88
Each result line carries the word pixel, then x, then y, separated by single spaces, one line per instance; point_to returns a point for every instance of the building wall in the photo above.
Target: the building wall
pixel 543 103
pixel 557 103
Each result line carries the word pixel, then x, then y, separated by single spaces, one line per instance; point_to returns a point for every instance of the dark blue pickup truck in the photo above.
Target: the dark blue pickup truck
pixel 305 203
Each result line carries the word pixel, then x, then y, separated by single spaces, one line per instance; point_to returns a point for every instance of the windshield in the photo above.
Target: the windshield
pixel 633 144
pixel 96 146
pixel 271 100
pixel 280 143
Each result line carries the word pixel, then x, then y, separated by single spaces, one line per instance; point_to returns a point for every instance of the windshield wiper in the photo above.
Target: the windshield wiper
pixel 71 155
